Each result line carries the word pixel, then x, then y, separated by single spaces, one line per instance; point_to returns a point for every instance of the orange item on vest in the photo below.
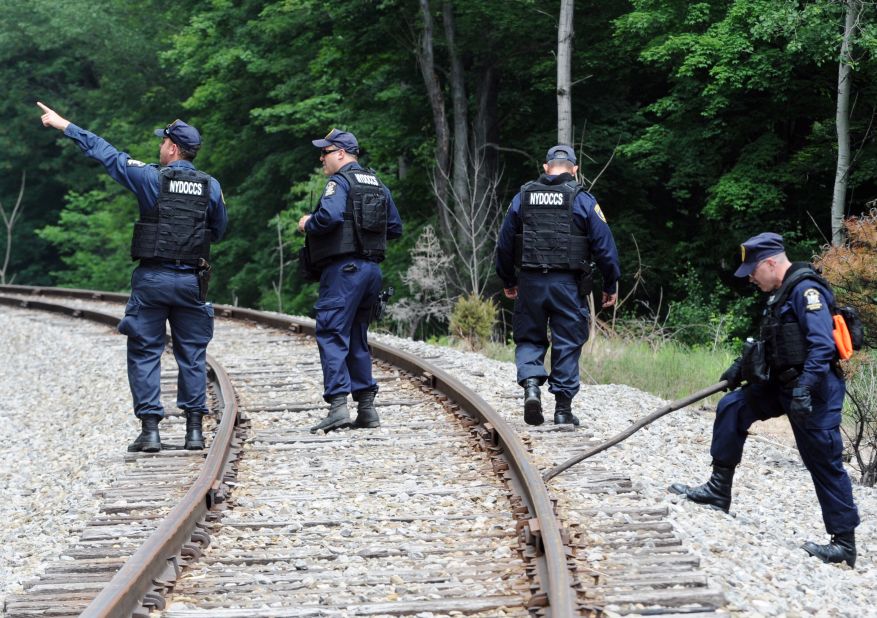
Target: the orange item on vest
pixel 842 338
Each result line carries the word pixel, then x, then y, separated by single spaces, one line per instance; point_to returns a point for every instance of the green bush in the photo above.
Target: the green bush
pixel 472 320
pixel 708 315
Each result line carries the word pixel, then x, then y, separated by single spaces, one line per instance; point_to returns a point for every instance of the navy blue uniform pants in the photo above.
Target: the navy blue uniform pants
pixel 817 435
pixel 348 290
pixel 159 296
pixel 550 301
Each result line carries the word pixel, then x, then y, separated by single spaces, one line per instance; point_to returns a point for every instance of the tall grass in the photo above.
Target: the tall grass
pixel 669 370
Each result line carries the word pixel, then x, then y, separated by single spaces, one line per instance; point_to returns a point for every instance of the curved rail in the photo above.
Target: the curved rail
pixel 543 531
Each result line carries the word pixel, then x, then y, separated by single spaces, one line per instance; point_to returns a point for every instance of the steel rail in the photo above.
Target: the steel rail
pixel 544 530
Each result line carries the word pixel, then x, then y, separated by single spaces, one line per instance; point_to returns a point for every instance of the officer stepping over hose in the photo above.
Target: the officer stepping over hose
pixel 346 240
pixel 551 238
pixel 791 369
pixel 182 212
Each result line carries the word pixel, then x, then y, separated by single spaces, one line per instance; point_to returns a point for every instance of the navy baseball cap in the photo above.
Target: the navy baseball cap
pixel 183 135
pixel 757 248
pixel 561 152
pixel 341 139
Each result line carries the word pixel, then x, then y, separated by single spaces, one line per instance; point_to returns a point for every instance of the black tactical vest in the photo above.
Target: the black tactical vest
pixel 549 239
pixel 785 343
pixel 363 232
pixel 178 231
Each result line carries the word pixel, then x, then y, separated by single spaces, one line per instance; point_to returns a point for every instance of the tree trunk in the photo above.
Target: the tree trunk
pixel 426 60
pixel 564 61
pixel 484 131
pixel 844 86
pixel 460 181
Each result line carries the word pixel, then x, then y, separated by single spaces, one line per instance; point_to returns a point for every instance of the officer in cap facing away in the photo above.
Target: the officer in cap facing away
pixel 181 213
pixel 552 234
pixel 791 370
pixel 346 240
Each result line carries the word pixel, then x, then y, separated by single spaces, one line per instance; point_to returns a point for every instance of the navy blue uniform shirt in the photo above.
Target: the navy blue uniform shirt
pixel 143 179
pixel 329 213
pixel 587 217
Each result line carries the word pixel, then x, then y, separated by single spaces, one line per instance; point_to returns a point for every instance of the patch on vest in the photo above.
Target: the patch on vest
pixel 366 179
pixel 135 163
pixel 599 213
pixel 814 302
pixel 330 188
pixel 186 187
pixel 545 198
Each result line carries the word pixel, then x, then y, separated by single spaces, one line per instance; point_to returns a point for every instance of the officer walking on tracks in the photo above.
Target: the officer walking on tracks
pixel 791 370
pixel 553 233
pixel 181 213
pixel 346 240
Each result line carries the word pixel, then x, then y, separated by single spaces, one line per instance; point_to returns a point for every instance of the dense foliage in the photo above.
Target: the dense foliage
pixel 716 120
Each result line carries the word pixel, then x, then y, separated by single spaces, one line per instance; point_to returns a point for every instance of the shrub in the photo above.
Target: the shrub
pixel 472 320
pixel 860 424
pixel 851 269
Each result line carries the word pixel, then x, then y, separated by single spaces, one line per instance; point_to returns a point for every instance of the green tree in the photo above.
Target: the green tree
pixel 93 236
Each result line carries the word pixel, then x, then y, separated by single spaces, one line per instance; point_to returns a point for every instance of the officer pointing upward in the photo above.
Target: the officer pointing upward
pixel 346 240
pixel 554 230
pixel 790 370
pixel 181 213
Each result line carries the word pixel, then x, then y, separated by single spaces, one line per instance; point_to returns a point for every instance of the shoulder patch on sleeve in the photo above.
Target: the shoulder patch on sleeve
pixel 813 299
pixel 599 212
pixel 135 163
pixel 330 188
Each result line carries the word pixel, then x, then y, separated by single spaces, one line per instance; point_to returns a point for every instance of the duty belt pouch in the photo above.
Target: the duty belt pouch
pixel 585 280
pixel 305 268
pixel 754 367
pixel 204 269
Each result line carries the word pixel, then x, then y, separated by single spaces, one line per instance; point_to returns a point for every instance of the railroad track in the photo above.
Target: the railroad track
pixel 438 512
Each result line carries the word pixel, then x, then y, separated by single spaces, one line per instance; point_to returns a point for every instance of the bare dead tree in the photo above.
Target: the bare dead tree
pixel 475 225
pixel 842 119
pixel 9 221
pixel 860 426
pixel 427 280
pixel 278 285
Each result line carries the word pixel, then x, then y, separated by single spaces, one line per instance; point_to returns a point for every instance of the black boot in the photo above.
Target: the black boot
pixel 842 548
pixel 366 415
pixel 563 411
pixel 532 402
pixel 338 415
pixel 148 441
pixel 716 492
pixel 194 436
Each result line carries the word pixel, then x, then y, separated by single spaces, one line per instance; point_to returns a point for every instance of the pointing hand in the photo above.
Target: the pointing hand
pixel 51 118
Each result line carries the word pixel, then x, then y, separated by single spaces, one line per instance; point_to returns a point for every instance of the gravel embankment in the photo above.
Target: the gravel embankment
pixel 63 399
pixel 55 456
pixel 753 553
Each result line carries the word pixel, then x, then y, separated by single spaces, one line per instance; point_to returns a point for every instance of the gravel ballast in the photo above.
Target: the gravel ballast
pixel 55 457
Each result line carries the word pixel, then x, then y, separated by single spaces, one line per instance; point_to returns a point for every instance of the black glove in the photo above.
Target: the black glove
pixel 733 374
pixel 801 404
